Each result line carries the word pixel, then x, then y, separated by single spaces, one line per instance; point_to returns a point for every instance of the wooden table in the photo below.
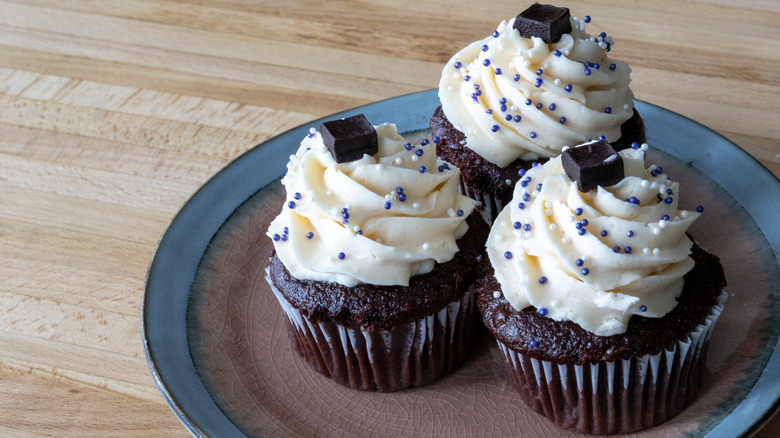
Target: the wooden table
pixel 112 113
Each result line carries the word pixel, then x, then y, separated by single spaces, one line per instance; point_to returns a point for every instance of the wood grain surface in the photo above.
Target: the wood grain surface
pixel 112 113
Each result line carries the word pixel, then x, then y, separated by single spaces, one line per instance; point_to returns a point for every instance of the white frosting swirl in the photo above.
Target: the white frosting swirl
pixel 387 235
pixel 506 66
pixel 630 259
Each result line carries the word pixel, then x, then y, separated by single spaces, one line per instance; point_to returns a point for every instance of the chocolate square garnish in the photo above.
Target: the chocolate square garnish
pixel 592 165
pixel 348 139
pixel 547 22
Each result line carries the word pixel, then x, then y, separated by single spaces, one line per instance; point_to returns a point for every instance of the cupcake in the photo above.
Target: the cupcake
pixel 601 303
pixel 537 84
pixel 375 258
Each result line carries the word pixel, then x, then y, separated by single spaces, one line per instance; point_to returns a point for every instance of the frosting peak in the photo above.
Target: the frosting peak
pixel 598 257
pixel 380 219
pixel 516 97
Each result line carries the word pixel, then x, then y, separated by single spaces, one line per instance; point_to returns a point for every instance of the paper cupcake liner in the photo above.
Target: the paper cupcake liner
pixel 620 396
pixel 374 359
pixel 488 205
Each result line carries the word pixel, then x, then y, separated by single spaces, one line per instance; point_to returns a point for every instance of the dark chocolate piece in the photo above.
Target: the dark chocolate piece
pixel 348 139
pixel 547 22
pixel 592 165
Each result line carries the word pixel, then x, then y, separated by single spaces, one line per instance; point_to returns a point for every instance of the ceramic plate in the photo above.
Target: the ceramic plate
pixel 217 346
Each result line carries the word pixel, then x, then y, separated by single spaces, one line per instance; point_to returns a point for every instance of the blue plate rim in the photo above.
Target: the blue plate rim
pixel 173 264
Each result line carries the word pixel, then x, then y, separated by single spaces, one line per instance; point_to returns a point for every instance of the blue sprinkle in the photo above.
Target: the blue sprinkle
pixel 602 137
pixel 616 248
pixel 563 120
pixel 539 82
pixel 276 237
pixel 460 213
pixel 533 344
pixel 584 222
pixel 542 311
pixel 399 190
pixel 517 118
pixel 523 183
pixel 634 145
pixel 633 200
pixel 532 134
pixel 517 77
pixel 297 196
pixel 578 211
pixel 495 34
pixel 478 92
pixel 557 52
pixel 527 227
pixel 604 233
pixel 486 62
pixel 419 152
pixel 567 87
pixel 345 215
pixel 700 208
pixel 494 128
pixel 408 146
pixel 539 187
pixel 543 280
pixel 578 225
pixel 517 225
pixel 669 200
pixel 539 72
pixel 359 232
pixel 489 111
pixel 508 255
pixel 503 108
pixel 521 206
pixel 485 47
pixel 526 197
pixel 585 271
pixel 498 72
pixel 608 110
pixel 422 169
pixel 643 308
pixel 528 101
pixel 436 139
pixel 502 101
pixel 284 237
pixel 342 256
pixel 508 117
pixel 457 64
pixel 630 233
pixel 587 72
pixel 424 142
pixel 539 105
pixel 579 262
pixel 309 234
pixel 551 107
pixel 388 204
pixel 581 231
pixel 665 217
pixel 612 66
pixel 521 172
pixel 286 230
pixel 402 197
pixel 467 78
pixel 586 18
pixel 627 250
pixel 291 204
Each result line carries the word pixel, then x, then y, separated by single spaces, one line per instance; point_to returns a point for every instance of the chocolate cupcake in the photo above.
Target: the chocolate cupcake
pixel 375 258
pixel 601 303
pixel 537 84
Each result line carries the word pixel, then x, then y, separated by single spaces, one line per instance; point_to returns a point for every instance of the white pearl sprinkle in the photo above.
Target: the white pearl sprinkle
pixel 565 240
pixel 656 251
pixel 508 181
pixel 502 224
pixel 557 81
pixel 416 205
pixel 552 227
pixel 684 214
pixel 656 231
pixel 426 246
pixel 662 224
pixel 644 183
pixel 399 161
pixel 415 157
pixel 548 212
pixel 496 294
pixel 646 251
